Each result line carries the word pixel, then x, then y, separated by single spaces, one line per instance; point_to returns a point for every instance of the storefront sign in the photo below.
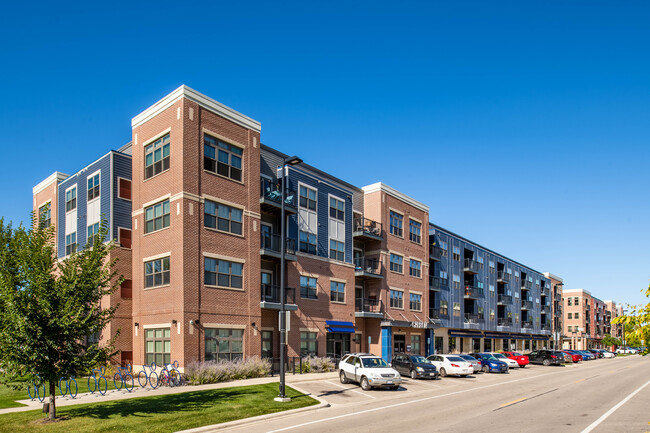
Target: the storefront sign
pixel 419 325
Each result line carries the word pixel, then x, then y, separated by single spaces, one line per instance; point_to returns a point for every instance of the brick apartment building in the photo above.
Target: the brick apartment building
pixel 193 202
pixel 587 320
pixel 557 327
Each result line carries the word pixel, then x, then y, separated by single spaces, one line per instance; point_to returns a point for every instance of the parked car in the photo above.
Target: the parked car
pixel 501 357
pixel 546 357
pixel 369 371
pixel 521 359
pixel 586 355
pixel 627 350
pixel 489 364
pixel 451 364
pixel 416 366
pixel 476 365
pixel 596 352
pixel 608 354
pixel 575 356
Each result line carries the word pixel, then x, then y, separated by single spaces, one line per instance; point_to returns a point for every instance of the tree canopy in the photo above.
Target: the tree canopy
pixel 637 324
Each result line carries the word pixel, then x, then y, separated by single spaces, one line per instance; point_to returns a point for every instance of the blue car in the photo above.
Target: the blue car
pixel 587 356
pixel 489 364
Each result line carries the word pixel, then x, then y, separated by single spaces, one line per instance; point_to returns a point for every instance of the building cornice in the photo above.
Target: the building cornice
pixel 553 277
pixel 201 99
pixel 54 177
pixel 379 186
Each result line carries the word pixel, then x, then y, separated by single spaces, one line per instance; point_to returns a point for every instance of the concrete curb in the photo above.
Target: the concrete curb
pixel 215 427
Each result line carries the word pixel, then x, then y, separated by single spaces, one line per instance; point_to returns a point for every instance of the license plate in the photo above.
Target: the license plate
pixel 432 374
pixel 389 382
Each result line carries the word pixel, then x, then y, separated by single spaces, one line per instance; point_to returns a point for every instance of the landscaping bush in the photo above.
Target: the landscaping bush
pixel 317 364
pixel 200 373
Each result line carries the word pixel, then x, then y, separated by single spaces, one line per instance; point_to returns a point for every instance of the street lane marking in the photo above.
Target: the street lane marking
pixel 612 410
pixel 350 389
pixel 578 381
pixel 524 399
pixel 513 402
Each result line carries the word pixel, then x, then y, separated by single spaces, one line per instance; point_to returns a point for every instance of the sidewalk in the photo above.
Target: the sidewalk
pixel 148 392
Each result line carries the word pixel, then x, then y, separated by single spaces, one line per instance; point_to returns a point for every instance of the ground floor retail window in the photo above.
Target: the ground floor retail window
pixel 476 344
pixel 438 344
pixel 338 344
pixel 225 344
pixel 415 345
pixel 308 343
pixel 452 344
pixel 487 345
pixel 158 346
pixel 526 344
pixel 267 344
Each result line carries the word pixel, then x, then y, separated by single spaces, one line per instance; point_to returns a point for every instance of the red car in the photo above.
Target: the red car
pixel 575 357
pixel 521 359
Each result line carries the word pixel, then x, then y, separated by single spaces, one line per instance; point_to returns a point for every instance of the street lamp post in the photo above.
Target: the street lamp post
pixel 293 160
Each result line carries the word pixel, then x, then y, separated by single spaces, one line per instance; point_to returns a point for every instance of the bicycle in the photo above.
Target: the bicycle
pixel 125 378
pixel 97 376
pixel 151 378
pixel 35 388
pixel 69 382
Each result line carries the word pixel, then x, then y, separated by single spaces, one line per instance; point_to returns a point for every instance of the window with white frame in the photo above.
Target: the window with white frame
pixel 308 220
pixel 337 250
pixel 93 187
pixel 337 291
pixel 308 198
pixel 93 230
pixel 308 287
pixel 45 215
pixel 223 273
pixel 222 217
pixel 396 299
pixel 336 229
pixel 307 242
pixel 415 268
pixel 156 273
pixel 156 157
pixel 337 209
pixel 456 253
pixel 156 217
pixel 227 344
pixel 70 243
pixel 396 221
pixel 71 199
pixel 415 231
pixel 456 281
pixel 396 263
pixel 222 158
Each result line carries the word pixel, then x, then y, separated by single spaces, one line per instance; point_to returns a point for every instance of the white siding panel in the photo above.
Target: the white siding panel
pixel 94 212
pixel 71 222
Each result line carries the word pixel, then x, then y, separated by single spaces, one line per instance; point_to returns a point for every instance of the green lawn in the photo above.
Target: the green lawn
pixel 166 413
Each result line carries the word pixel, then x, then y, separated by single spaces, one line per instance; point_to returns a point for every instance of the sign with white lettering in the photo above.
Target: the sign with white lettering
pixel 419 325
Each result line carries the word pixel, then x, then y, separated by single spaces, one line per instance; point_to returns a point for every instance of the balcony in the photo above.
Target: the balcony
pixel 366 267
pixel 504 321
pixel 473 292
pixel 437 313
pixel 472 266
pixel 270 298
pixel 527 324
pixel 471 320
pixel 503 277
pixel 558 297
pixel 271 198
pixel 270 247
pixel 437 284
pixel 546 327
pixel 436 253
pixel 367 229
pixel 504 299
pixel 368 308
pixel 546 309
pixel 526 305
pixel 558 313
pixel 526 285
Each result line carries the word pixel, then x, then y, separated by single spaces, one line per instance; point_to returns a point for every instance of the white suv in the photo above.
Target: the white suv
pixel 369 370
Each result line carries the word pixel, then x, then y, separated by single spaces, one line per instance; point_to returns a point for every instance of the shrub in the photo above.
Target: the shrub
pixel 317 364
pixel 199 373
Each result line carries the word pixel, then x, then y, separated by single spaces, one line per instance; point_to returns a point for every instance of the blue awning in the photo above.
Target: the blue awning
pixel 335 323
pixel 340 329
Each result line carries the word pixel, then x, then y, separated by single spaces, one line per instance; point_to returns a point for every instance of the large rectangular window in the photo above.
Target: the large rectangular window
pixel 158 346
pixel 415 231
pixel 93 229
pixel 70 243
pixel 396 221
pixel 156 157
pixel 223 273
pixel 156 217
pixel 456 254
pixel 444 308
pixel 308 288
pixel 156 272
pixel 337 291
pixel 123 188
pixel 415 344
pixel 93 187
pixel 71 199
pixel 396 263
pixel 308 343
pixel 415 268
pixel 337 250
pixel 337 209
pixel 225 218
pixel 225 344
pixel 45 216
pixel 307 242
pixel 307 198
pixel 223 158
pixel 415 302
pixel 396 299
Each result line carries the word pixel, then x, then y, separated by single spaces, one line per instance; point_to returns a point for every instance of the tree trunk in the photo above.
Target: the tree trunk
pixel 52 414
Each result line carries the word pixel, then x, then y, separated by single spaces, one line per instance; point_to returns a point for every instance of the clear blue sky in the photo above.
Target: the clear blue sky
pixel 523 125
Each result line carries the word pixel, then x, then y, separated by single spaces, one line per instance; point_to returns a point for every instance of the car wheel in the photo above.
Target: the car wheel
pixel 365 385
pixel 394 388
pixel 414 375
pixel 546 362
pixel 464 375
pixel 485 369
pixel 522 366
pixel 342 377
pixel 443 372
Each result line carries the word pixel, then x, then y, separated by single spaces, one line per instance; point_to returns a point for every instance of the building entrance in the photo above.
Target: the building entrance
pixel 400 343
pixel 338 344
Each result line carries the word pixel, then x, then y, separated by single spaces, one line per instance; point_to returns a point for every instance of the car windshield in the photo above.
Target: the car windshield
pixel 420 359
pixel 489 357
pixel 499 355
pixel 517 354
pixel 374 363
pixel 468 358
pixel 455 359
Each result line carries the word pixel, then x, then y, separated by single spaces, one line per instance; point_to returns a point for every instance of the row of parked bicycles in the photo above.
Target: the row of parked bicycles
pixel 124 378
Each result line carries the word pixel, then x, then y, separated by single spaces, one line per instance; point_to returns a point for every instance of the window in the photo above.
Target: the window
pixel 491 287
pixel 480 284
pixel 568 301
pixel 223 273
pixel 456 280
pixel 225 218
pixel 456 253
pixel 156 217
pixel 158 345
pixel 570 328
pixel 156 157
pixel 71 199
pixel 491 266
pixel 70 243
pixel 396 263
pixel 124 236
pixel 308 288
pixel 93 187
pixel 444 247
pixel 124 188
pixel 415 302
pixel 93 229
pixel 337 250
pixel 444 308
pixel 156 273
pixel 267 344
pixel 308 343
pixel 337 209
pixel 396 299
pixel 576 301
pixel 575 315
pixel 481 312
pixel 222 158
pixel 415 231
pixel 415 344
pixel 45 216
pixel 307 198
pixel 491 314
pixel 415 268
pixel 396 223
pixel 337 291
pixel 225 344
pixel 457 309
pixel 307 242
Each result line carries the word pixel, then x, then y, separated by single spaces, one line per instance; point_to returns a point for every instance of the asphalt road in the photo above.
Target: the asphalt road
pixel 535 399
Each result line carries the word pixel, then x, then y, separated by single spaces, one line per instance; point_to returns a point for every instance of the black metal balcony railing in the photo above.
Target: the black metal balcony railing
pixel 473 292
pixel 436 253
pixel 366 226
pixel 526 324
pixel 526 285
pixel 367 305
pixel 367 265
pixel 546 309
pixel 437 313
pixel 526 305
pixel 504 299
pixel 471 318
pixel 546 327
pixel 558 297
pixel 437 283
pixel 271 293
pixel 503 277
pixel 272 242
pixel 472 266
pixel 504 321
pixel 270 190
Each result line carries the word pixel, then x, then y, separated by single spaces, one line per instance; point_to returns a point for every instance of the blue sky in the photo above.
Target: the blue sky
pixel 523 125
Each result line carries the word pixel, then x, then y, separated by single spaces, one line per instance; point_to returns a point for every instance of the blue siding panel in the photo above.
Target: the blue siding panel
pixel 121 207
